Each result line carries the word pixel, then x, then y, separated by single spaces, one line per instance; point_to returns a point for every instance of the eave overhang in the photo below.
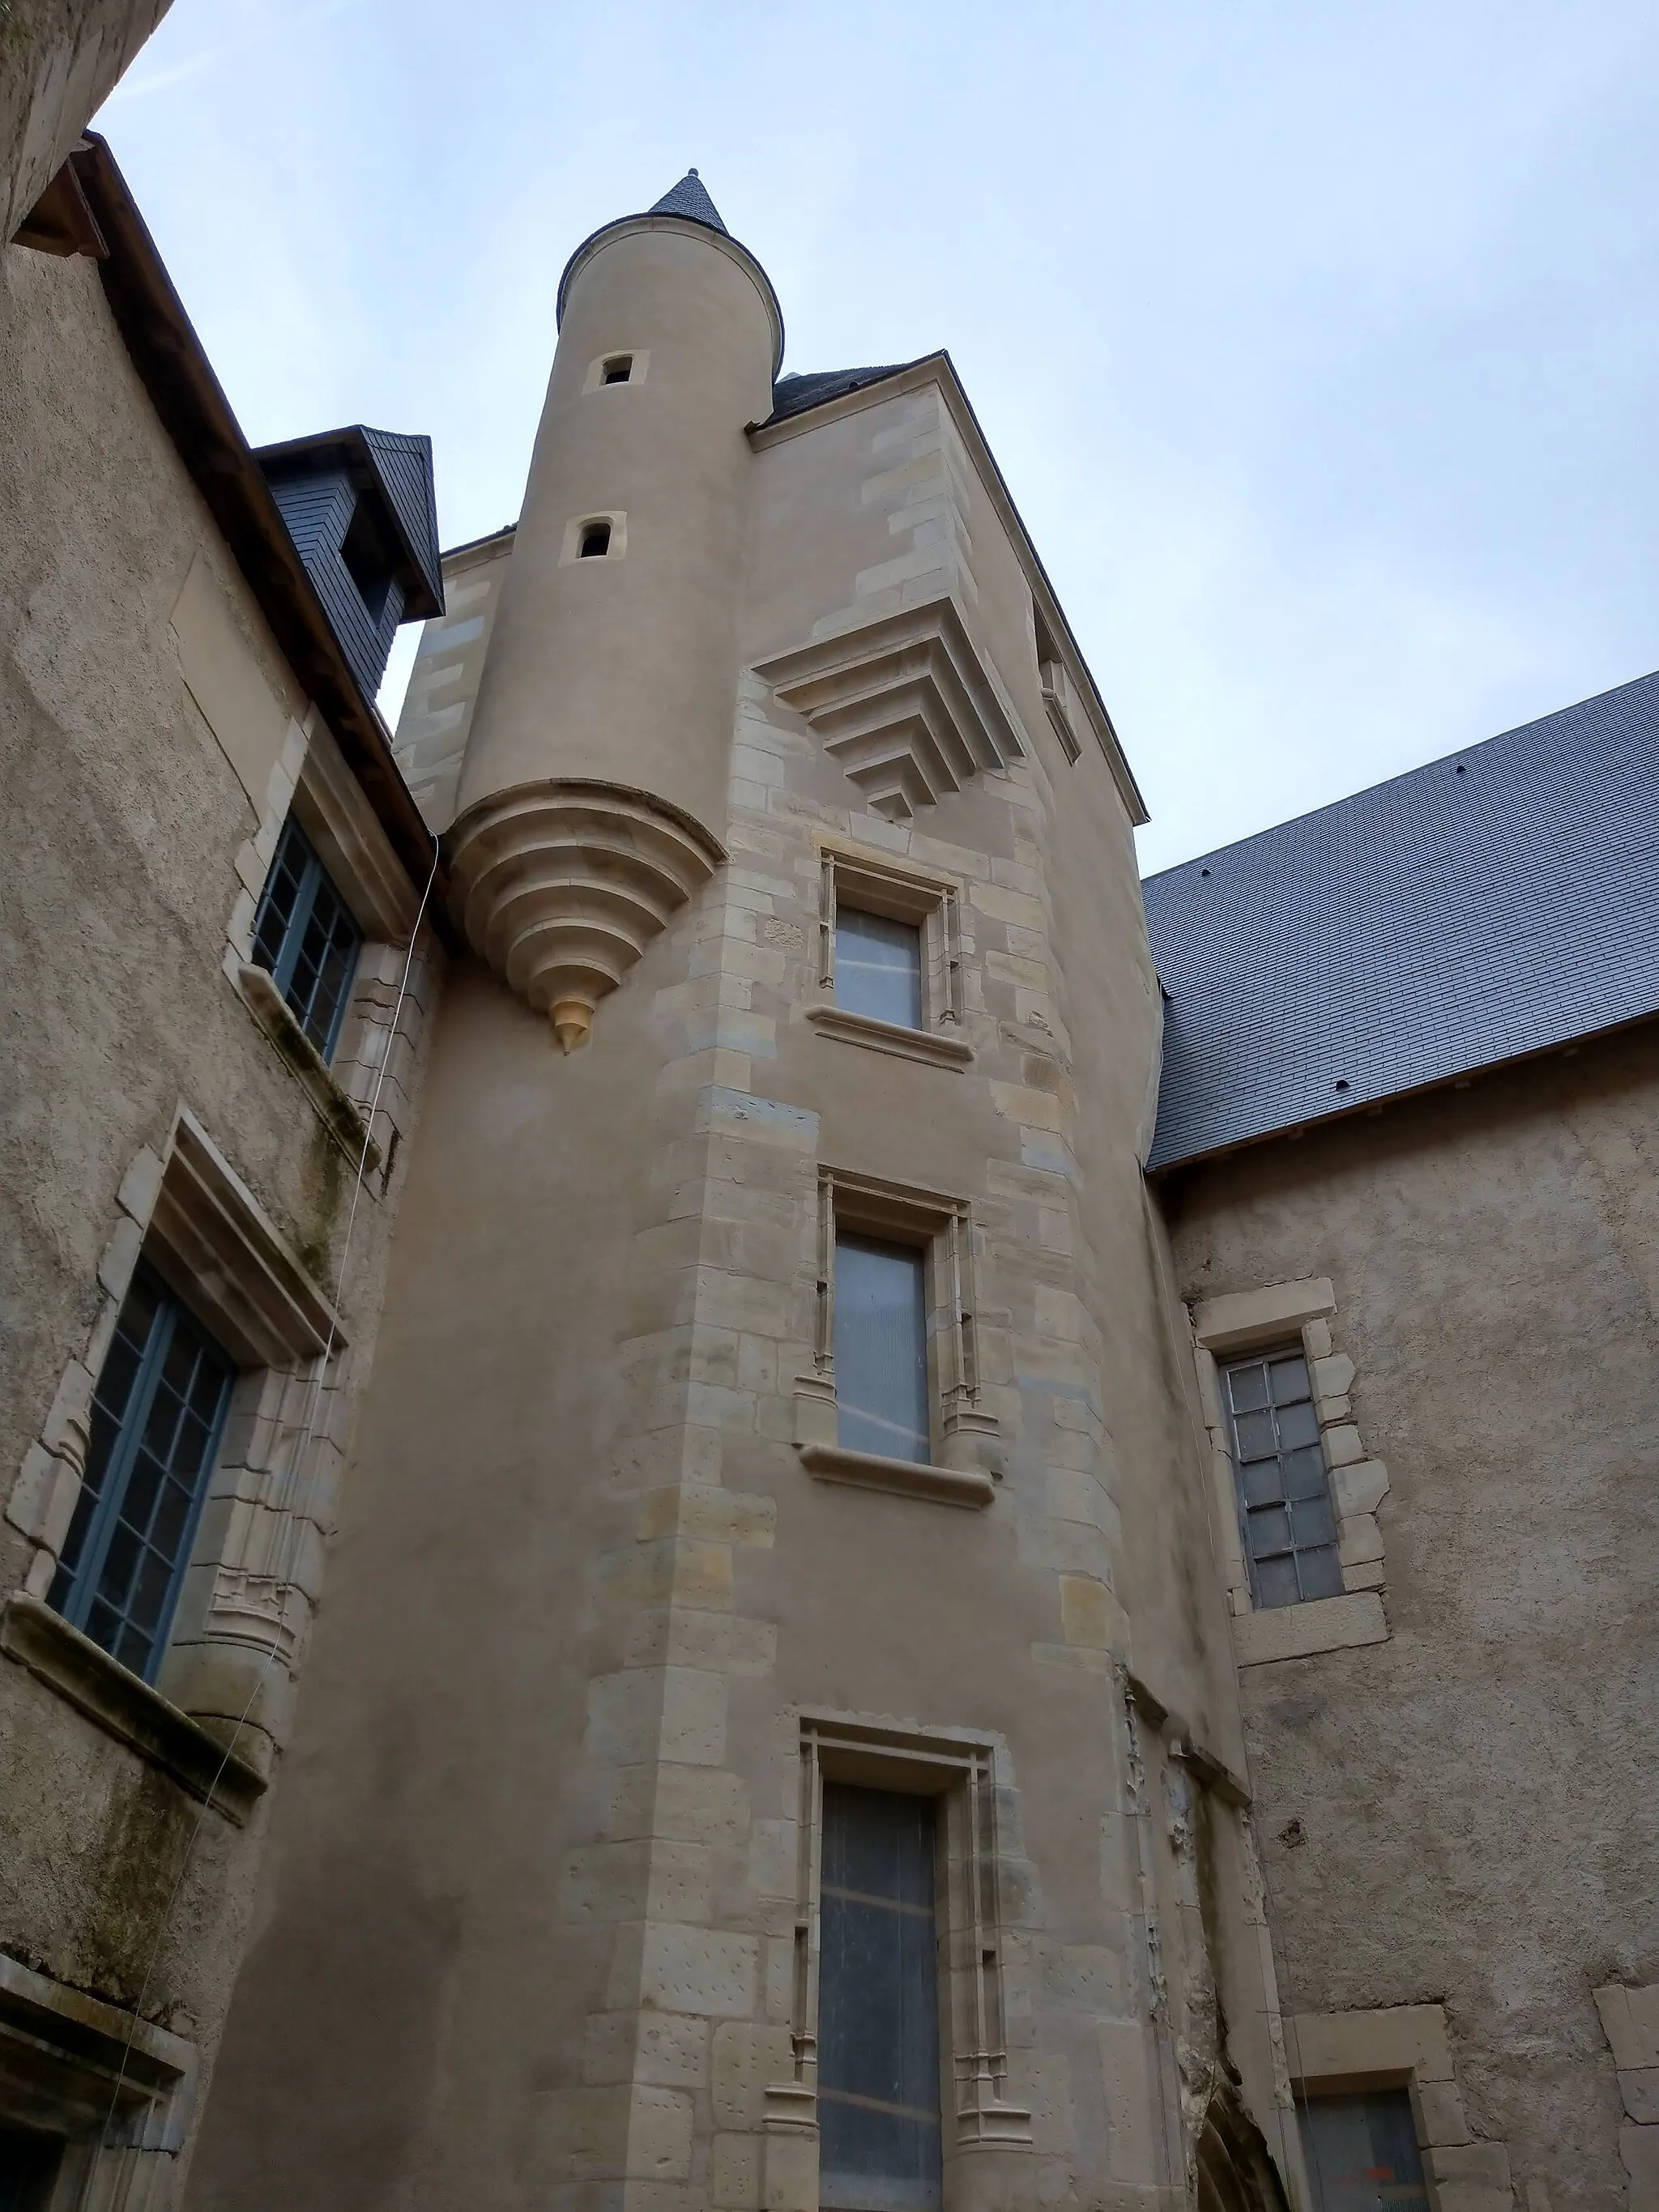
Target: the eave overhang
pixel 194 411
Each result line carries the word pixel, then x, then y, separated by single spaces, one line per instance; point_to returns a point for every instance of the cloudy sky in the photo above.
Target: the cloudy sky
pixel 1318 339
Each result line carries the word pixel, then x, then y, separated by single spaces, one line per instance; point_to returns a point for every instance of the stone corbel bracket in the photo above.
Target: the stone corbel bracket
pixel 906 706
pixel 561 886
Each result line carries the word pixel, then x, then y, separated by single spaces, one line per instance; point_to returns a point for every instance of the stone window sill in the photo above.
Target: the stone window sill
pixel 339 1114
pixel 1318 1624
pixel 941 1486
pixel 81 1672
pixel 934 1046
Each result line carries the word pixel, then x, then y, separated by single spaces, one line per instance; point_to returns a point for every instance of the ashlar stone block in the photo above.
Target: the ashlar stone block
pixel 698 1970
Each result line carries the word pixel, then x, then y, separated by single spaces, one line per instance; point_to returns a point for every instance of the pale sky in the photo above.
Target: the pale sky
pixel 1318 339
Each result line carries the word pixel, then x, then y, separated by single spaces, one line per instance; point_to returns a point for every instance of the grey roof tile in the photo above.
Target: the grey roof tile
pixel 1493 903
pixel 689 198
pixel 793 395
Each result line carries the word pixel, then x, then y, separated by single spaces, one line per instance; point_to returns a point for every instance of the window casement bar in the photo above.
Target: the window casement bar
pixel 974 1912
pixel 942 896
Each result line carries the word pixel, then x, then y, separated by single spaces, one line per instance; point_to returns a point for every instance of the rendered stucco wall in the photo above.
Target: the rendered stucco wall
pixel 1465 1814
pixel 59 60
pixel 130 824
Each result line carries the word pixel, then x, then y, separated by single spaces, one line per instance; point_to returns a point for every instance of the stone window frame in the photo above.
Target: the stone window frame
pixel 1402 2047
pixel 1243 1323
pixel 570 551
pixel 115 2090
pixel 876 883
pixel 966 1460
pixel 639 364
pixel 217 1711
pixel 966 1775
pixel 312 781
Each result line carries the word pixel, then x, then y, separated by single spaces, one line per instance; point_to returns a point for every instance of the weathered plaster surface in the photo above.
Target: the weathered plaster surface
pixel 1466 1813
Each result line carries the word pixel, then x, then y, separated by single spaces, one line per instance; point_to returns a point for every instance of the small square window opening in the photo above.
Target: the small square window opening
pixel 594 542
pixel 305 939
pixel 1283 1490
pixel 878 967
pixel 881 1393
pixel 157 1413
pixel 618 369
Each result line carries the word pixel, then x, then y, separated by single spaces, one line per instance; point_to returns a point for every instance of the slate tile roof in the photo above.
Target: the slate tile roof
pixel 689 197
pixel 1493 903
pixel 793 395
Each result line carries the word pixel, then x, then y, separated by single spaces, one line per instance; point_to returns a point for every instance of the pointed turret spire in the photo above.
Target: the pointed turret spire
pixel 689 198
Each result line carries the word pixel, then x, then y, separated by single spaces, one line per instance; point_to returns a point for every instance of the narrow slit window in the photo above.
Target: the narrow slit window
pixel 304 937
pixel 156 1417
pixel 618 369
pixel 878 967
pixel 1284 1492
pixel 1361 2154
pixel 878 2071
pixel 595 541
pixel 881 1348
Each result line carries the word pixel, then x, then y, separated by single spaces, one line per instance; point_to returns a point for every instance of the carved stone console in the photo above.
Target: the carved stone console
pixel 561 886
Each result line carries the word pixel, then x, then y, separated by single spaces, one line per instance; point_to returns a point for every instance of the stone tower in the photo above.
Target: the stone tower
pixel 771 1738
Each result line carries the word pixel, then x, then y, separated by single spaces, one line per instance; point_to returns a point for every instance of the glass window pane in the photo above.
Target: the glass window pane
pixel 1276 1583
pixel 881 1348
pixel 1312 1523
pixel 1270 1531
pixel 1361 2154
pixel 1261 1481
pixel 307 937
pixel 878 967
pixel 1320 1572
pixel 1248 1387
pixel 1289 1381
pixel 878 2111
pixel 1298 1425
pixel 1304 1472
pixel 1254 1434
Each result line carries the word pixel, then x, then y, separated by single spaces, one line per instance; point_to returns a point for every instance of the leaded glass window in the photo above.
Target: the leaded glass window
pixel 878 967
pixel 1284 1495
pixel 156 1417
pixel 304 936
pixel 881 1348
pixel 878 2085
pixel 1361 2154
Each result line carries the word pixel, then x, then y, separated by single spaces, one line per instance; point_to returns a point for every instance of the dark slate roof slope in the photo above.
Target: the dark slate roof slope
pixel 793 395
pixel 689 197
pixel 1492 904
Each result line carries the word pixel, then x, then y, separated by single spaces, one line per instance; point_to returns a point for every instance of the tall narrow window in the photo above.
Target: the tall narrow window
pixel 881 1348
pixel 304 936
pixel 1361 2154
pixel 879 2088
pixel 156 1415
pixel 878 967
pixel 1283 1496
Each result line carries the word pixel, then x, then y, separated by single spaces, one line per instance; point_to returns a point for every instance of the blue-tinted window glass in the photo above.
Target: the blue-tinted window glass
pixel 1283 1496
pixel 305 939
pixel 878 967
pixel 156 1415
pixel 1361 2154
pixel 881 1348
pixel 878 2107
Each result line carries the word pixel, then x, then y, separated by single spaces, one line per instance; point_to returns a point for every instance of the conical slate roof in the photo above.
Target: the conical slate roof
pixel 689 198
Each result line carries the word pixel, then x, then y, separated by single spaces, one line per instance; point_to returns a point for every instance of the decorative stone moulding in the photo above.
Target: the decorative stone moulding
pixel 905 704
pixel 561 886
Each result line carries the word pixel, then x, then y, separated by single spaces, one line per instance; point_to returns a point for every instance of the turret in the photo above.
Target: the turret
pixel 595 774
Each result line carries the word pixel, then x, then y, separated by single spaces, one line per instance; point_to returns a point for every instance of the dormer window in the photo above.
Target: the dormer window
pixel 595 541
pixel 367 561
pixel 618 369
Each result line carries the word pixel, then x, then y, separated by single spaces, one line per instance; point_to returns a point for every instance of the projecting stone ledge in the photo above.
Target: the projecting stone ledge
pixel 561 886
